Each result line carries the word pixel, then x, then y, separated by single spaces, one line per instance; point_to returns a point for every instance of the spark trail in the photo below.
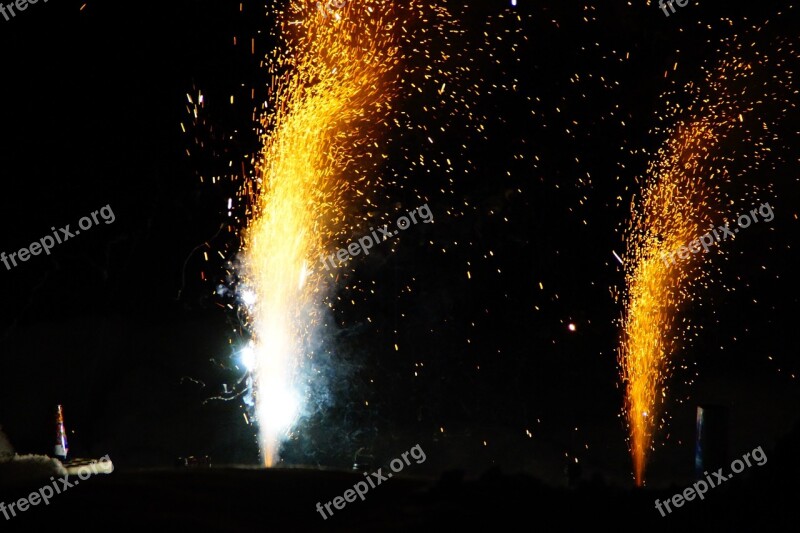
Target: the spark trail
pixel 720 138
pixel 335 77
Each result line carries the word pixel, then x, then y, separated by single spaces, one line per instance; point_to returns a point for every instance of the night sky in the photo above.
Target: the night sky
pixel 457 335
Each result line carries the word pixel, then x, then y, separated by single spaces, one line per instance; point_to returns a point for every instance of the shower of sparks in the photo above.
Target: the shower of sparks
pixel 722 137
pixel 362 107
pixel 335 80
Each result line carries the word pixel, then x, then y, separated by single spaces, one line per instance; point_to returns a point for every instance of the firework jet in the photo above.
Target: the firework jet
pixel 683 196
pixel 333 80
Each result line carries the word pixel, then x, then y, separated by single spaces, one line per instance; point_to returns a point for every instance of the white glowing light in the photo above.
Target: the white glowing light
pixel 279 407
pixel 248 297
pixel 277 347
pixel 247 356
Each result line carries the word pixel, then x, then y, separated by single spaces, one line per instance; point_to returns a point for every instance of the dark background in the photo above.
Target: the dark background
pixel 121 326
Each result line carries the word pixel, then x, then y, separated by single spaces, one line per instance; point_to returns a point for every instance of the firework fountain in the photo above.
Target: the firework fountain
pixel 683 194
pixel 334 79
